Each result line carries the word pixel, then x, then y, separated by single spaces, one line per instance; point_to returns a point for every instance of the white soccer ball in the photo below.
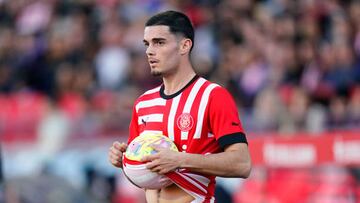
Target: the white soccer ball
pixel 136 171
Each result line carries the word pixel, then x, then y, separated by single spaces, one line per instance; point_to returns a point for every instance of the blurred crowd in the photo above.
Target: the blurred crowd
pixel 291 65
pixel 73 68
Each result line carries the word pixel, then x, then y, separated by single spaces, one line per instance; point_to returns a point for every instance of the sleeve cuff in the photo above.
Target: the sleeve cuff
pixel 232 139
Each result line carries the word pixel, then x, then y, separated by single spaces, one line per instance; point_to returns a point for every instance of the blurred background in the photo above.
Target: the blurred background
pixel 70 71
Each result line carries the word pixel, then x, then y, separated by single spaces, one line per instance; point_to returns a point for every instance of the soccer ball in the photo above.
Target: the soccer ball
pixel 135 170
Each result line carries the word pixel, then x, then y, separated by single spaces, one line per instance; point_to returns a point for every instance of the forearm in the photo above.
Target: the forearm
pixel 226 164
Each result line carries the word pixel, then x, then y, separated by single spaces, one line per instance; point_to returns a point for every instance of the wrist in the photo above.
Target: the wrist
pixel 181 159
pixel 185 160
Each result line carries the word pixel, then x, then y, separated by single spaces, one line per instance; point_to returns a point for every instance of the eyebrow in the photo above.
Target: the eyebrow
pixel 155 39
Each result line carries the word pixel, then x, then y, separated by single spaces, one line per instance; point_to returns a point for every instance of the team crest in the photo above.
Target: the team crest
pixel 185 122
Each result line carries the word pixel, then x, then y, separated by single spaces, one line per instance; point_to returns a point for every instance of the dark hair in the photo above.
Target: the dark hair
pixel 178 23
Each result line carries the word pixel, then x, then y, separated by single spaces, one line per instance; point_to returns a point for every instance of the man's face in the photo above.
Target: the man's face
pixel 162 50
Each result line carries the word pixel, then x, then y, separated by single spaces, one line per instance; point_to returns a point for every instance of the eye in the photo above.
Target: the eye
pixel 160 43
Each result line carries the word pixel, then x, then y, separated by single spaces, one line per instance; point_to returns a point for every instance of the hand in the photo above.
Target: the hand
pixel 164 161
pixel 116 152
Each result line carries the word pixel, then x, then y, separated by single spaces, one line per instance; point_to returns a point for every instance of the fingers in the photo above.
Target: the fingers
pixel 116 152
pixel 155 168
pixel 120 146
pixel 115 162
pixel 157 147
pixel 154 156
pixel 158 169
pixel 152 164
pixel 163 171
pixel 117 149
pixel 149 158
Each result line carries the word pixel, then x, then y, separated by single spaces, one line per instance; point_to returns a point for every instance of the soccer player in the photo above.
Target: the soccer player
pixel 199 116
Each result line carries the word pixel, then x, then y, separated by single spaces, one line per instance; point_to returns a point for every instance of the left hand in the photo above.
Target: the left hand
pixel 164 161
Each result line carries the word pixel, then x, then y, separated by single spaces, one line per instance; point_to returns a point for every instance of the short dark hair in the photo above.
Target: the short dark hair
pixel 177 22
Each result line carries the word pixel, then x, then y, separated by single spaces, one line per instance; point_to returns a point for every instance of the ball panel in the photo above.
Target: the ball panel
pixel 142 146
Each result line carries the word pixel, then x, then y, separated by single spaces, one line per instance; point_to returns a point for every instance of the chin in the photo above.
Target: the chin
pixel 156 73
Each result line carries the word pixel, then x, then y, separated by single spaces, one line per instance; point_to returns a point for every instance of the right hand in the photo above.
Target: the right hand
pixel 116 152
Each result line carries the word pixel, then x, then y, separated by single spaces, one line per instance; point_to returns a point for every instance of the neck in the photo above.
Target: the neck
pixel 175 82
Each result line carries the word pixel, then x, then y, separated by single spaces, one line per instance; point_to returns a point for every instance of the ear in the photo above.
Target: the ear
pixel 185 46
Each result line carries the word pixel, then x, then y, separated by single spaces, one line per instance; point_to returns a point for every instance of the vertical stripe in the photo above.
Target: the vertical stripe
pixel 202 108
pixel 190 101
pixel 171 119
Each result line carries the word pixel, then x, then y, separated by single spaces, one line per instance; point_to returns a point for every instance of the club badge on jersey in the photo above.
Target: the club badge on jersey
pixel 185 122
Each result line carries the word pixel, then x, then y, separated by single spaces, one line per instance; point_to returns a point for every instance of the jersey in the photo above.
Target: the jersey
pixel 201 118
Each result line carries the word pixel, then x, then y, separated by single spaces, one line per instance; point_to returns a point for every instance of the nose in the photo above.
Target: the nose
pixel 149 51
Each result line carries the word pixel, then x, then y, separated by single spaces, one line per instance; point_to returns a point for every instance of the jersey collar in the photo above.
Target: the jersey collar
pixel 165 96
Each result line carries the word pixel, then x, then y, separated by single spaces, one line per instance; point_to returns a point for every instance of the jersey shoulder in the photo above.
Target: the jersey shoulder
pixel 218 90
pixel 220 96
pixel 214 92
pixel 149 94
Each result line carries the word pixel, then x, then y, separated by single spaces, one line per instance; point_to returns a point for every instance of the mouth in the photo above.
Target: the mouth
pixel 153 62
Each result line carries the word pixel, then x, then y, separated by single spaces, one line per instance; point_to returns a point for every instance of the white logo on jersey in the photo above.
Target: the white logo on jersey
pixel 185 122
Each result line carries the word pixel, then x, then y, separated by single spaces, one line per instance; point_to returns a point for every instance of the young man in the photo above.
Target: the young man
pixel 199 116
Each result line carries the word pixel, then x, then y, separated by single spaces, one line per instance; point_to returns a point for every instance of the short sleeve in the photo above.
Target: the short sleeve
pixel 224 119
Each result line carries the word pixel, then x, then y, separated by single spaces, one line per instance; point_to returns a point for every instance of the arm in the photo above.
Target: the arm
pixel 233 162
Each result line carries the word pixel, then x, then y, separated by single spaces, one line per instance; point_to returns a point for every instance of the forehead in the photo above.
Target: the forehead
pixel 157 31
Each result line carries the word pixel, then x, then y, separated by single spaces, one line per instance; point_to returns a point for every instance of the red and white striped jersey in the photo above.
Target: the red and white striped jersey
pixel 201 118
